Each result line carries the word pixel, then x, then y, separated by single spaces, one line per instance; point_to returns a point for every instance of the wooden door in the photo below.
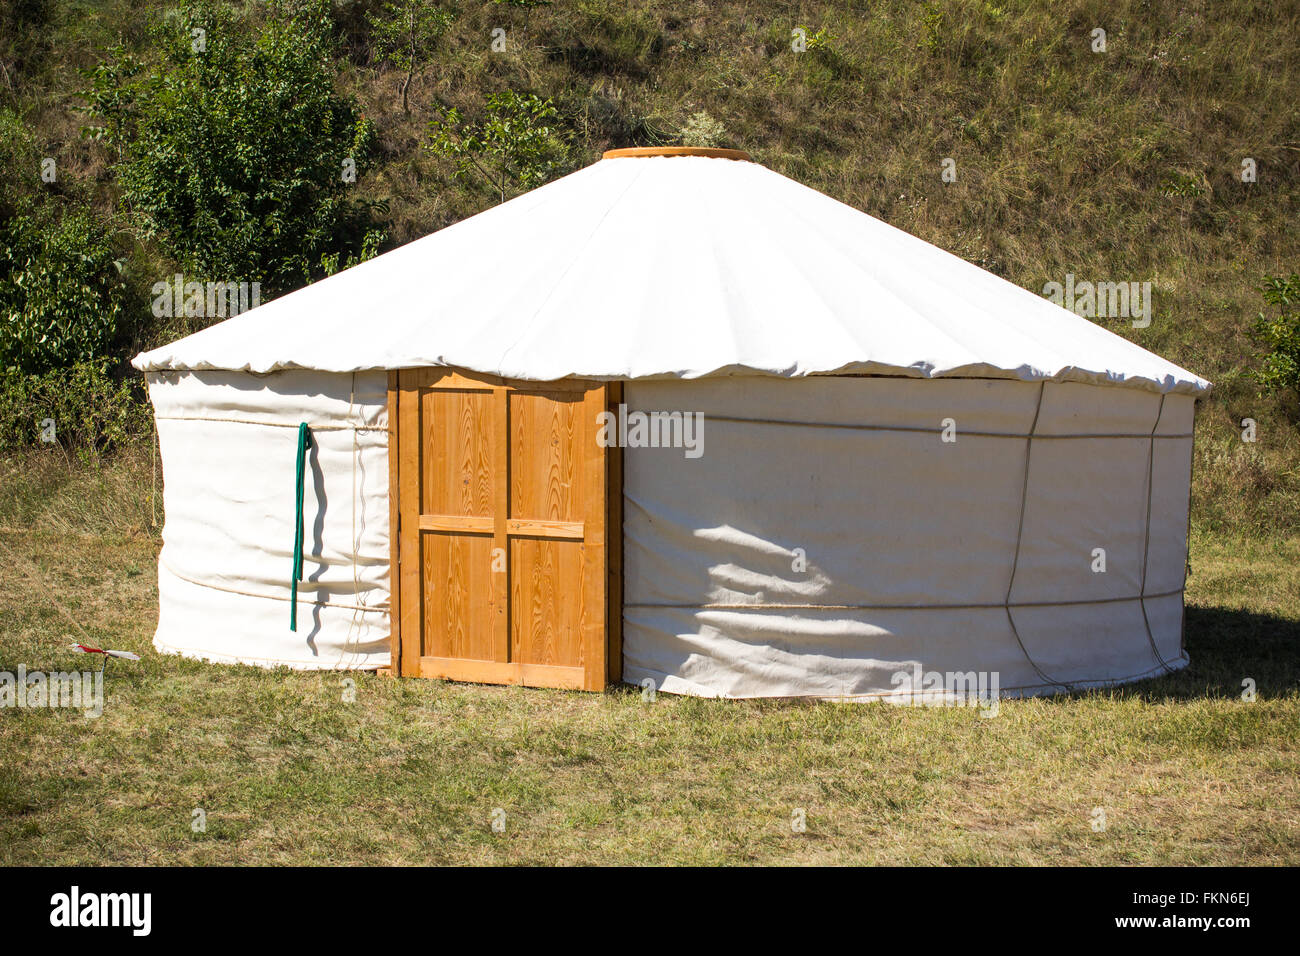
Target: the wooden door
pixel 500 501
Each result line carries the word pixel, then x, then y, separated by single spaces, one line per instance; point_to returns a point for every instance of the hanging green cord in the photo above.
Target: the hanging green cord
pixel 304 443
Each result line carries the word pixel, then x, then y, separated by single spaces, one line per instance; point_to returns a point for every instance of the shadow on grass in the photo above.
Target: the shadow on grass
pixel 1227 646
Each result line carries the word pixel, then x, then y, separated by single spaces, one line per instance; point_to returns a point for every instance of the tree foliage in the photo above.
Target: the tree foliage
pixel 235 150
pixel 62 296
pixel 1280 333
pixel 514 145
pixel 403 35
pixel 82 408
pixel 61 290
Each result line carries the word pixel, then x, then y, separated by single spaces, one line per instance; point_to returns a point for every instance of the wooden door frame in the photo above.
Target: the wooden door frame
pixel 406 599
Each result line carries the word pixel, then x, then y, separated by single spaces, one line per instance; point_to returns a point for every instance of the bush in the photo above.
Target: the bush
pixel 82 409
pixel 514 145
pixel 1280 333
pixel 62 296
pixel 235 150
pixel 20 160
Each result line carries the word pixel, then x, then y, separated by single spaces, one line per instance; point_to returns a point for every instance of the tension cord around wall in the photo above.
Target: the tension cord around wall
pixel 1142 596
pixel 1015 560
pixel 350 427
pixel 1146 545
pixel 316 602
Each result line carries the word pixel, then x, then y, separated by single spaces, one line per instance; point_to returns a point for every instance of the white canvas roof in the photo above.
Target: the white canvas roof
pixel 673 267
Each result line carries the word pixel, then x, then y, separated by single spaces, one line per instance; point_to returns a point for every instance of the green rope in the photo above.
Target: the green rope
pixel 304 443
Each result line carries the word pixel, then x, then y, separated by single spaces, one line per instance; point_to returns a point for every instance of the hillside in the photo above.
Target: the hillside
pixel 1115 166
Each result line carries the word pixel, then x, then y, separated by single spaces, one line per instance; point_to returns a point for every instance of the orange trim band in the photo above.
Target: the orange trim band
pixel 677 151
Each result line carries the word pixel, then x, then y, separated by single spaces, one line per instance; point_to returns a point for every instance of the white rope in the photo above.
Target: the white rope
pixel 249 421
pixel 902 607
pixel 153 481
pixel 1146 545
pixel 1020 531
pixel 356 545
pixel 931 430
pixel 907 694
pixel 270 597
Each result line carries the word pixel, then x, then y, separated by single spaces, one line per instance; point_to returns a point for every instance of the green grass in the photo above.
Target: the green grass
pixel 410 772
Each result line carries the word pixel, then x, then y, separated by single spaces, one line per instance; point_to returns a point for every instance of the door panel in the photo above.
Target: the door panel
pixel 458 568
pixel 545 472
pixel 546 612
pixel 502 507
pixel 457 462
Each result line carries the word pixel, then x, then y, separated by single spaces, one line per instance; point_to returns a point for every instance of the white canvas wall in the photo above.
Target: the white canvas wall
pixel 894 523
pixel 228 443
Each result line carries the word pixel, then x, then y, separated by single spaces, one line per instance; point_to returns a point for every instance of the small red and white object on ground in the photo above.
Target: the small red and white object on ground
pixel 87 649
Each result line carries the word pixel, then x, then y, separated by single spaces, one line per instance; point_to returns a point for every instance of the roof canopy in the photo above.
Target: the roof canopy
pixel 646 266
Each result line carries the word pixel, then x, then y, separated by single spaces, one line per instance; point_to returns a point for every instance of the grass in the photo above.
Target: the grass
pixel 411 771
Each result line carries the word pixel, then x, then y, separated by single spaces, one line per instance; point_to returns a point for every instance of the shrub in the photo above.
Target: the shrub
pixel 62 297
pixel 514 144
pixel 1280 333
pixel 20 161
pixel 702 130
pixel 82 409
pixel 235 150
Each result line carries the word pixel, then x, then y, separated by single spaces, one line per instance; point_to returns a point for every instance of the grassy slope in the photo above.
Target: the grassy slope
pixel 287 771
pixel 1114 167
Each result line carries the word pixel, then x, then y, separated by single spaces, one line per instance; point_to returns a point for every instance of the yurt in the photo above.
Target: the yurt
pixel 675 418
